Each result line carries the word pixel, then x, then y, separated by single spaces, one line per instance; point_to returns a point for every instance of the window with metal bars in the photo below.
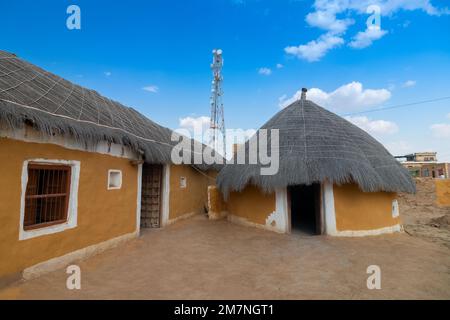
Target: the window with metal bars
pixel 47 195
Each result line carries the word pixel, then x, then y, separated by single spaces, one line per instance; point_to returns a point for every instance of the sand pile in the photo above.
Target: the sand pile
pixel 421 215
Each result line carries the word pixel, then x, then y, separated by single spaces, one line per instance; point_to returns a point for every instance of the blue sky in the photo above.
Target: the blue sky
pixel 271 50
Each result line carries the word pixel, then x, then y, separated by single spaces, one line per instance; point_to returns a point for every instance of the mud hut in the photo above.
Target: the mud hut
pixel 333 178
pixel 79 172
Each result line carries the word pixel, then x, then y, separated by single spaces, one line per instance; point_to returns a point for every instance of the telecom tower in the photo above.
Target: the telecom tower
pixel 217 124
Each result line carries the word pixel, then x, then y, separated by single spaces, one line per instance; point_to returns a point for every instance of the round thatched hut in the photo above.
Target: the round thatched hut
pixel 333 178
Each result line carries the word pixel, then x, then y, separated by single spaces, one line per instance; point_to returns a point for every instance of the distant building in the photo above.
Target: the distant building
pixel 425 164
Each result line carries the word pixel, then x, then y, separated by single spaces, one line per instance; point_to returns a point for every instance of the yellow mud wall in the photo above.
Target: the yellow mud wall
pixel 443 192
pixel 193 198
pixel 356 210
pixel 251 204
pixel 102 214
pixel 216 204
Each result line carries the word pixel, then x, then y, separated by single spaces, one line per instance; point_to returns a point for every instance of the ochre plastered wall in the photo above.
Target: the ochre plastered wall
pixel 356 210
pixel 216 204
pixel 193 198
pixel 102 214
pixel 443 192
pixel 251 204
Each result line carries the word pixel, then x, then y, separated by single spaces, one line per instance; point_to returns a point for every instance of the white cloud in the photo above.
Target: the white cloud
pixel 199 124
pixel 265 71
pixel 326 19
pixel 198 128
pixel 399 148
pixel 315 49
pixel 152 89
pixel 279 66
pixel 327 15
pixel 283 101
pixel 108 73
pixel 441 130
pixel 364 39
pixel 409 84
pixel 348 97
pixel 388 7
pixel 375 127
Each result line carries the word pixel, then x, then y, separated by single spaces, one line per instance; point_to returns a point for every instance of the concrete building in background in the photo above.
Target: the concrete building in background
pixel 425 165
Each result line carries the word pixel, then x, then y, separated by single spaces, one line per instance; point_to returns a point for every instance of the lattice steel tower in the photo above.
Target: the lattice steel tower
pixel 217 124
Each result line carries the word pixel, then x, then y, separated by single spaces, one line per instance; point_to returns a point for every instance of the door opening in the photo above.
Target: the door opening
pixel 305 209
pixel 151 195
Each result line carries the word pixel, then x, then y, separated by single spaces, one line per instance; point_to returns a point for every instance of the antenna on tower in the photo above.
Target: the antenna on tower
pixel 217 123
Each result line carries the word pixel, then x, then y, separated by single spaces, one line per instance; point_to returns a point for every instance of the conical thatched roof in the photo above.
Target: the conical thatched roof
pixel 51 104
pixel 317 145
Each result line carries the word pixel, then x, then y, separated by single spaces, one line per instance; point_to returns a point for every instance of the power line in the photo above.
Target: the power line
pixel 398 106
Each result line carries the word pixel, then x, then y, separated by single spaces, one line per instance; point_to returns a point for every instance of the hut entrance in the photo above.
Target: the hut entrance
pixel 151 196
pixel 305 208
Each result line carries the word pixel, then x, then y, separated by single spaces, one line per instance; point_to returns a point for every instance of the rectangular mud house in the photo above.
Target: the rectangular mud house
pixel 79 172
pixel 425 165
pixel 333 178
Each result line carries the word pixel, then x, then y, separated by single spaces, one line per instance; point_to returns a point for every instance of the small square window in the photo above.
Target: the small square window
pixel 183 182
pixel 114 179
pixel 395 210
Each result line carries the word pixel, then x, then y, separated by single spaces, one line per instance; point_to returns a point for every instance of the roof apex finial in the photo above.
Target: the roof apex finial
pixel 304 90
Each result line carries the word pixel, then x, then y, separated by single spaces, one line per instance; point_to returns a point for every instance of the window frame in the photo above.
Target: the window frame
pixel 68 168
pixel 109 179
pixel 183 182
pixel 27 232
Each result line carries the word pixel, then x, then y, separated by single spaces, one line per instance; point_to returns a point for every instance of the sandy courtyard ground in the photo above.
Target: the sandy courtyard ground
pixel 202 259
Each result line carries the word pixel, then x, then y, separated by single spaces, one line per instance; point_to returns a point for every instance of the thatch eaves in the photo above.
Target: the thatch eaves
pixel 316 145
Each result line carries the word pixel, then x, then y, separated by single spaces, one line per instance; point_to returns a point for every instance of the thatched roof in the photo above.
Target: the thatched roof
pixel 51 104
pixel 317 145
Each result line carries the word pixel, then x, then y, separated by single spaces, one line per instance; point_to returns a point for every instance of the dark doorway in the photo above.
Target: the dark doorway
pixel 151 195
pixel 305 209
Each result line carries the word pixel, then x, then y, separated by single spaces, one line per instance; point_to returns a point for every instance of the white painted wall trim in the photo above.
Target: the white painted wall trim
pixel 72 214
pixel 81 254
pixel 165 210
pixel 363 233
pixel 139 199
pixel 328 207
pixel 279 219
pixel 31 135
